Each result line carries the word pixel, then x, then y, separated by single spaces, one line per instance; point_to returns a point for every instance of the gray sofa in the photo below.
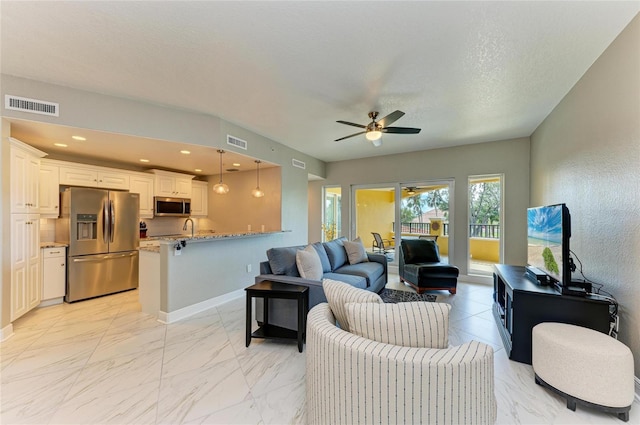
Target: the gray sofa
pixel 281 267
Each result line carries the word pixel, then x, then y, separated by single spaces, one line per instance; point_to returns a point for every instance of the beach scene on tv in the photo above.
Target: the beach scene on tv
pixel 544 238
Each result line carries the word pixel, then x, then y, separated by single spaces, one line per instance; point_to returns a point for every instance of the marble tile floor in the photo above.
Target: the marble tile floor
pixel 102 361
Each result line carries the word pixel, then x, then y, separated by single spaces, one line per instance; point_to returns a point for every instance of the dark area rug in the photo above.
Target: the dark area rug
pixel 395 296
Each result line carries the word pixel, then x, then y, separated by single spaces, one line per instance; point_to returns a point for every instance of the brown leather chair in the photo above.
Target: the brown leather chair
pixel 419 265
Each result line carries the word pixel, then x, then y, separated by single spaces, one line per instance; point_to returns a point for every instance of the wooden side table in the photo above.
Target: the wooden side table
pixel 266 290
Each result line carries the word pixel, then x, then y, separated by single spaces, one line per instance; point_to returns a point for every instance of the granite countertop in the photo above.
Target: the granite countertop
pixel 53 245
pixel 155 249
pixel 209 236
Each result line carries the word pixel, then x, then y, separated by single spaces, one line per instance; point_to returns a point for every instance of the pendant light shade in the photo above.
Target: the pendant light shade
pixel 257 192
pixel 221 188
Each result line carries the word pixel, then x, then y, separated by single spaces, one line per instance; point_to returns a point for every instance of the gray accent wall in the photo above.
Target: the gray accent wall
pixel 586 153
pixel 508 157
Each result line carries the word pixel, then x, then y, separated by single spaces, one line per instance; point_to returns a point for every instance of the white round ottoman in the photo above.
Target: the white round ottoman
pixel 584 366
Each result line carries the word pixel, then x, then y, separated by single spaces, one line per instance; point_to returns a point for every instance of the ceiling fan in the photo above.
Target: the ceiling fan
pixel 373 131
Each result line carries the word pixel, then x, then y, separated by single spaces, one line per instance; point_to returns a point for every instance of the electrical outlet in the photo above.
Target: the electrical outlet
pixel 248 268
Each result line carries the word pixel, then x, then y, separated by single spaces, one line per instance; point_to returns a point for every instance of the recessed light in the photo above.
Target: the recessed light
pixel 82 139
pixel 197 170
pixel 60 145
pixel 144 160
pixel 236 164
pixel 185 152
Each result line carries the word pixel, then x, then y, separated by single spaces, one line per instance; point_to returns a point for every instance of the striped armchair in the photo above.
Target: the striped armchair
pixel 352 380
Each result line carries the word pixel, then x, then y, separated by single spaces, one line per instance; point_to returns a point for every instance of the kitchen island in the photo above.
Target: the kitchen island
pixel 186 275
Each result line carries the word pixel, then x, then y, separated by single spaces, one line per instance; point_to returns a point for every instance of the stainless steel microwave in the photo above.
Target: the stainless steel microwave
pixel 171 207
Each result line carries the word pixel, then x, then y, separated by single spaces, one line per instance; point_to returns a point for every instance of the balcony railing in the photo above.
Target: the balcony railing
pixel 489 231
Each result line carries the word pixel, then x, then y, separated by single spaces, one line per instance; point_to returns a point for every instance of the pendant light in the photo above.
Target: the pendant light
pixel 257 192
pixel 221 188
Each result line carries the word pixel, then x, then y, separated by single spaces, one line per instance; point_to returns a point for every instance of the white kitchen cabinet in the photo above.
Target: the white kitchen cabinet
pixel 94 177
pixel 49 190
pixel 172 185
pixel 199 198
pixel 25 263
pixel 25 177
pixel 54 263
pixel 143 185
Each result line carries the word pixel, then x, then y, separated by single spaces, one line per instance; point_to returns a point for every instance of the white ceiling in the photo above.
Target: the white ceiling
pixel 464 72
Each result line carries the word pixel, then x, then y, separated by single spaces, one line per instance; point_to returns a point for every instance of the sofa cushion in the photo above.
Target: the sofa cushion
pixel 355 251
pixel 308 262
pixel 336 252
pixel 412 324
pixel 283 260
pixel 430 271
pixel 371 271
pixel 324 259
pixel 420 251
pixel 340 293
pixel 352 279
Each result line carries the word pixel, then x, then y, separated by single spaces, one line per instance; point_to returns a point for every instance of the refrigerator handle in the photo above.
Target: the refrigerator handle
pixel 105 222
pixel 112 221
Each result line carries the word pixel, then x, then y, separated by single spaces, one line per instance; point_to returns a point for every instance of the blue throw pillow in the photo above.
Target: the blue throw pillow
pixel 283 260
pixel 336 252
pixel 324 259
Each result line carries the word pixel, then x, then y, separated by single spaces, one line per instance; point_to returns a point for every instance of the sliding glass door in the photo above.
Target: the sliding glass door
pixel 402 211
pixel 424 213
pixel 332 213
pixel 374 213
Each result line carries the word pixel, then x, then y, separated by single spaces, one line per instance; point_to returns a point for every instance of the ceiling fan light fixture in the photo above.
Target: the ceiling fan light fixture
pixel 377 143
pixel 373 135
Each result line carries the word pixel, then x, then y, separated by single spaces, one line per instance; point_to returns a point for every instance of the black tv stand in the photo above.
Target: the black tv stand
pixel 520 304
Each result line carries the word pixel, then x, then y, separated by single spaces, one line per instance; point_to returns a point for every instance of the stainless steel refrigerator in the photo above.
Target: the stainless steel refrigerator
pixel 101 229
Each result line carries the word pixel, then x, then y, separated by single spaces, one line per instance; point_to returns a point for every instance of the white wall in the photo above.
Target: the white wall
pixel 509 157
pixel 586 154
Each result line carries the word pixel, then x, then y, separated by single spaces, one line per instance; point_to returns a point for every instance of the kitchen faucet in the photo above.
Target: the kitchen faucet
pixel 185 226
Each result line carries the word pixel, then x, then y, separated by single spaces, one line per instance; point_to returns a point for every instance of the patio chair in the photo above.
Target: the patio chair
pixel 429 237
pixel 381 245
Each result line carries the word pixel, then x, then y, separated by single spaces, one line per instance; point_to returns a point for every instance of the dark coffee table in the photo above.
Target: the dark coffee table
pixel 266 290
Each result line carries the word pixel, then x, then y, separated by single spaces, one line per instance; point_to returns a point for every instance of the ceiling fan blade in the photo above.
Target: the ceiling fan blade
pixel 353 124
pixel 391 118
pixel 401 130
pixel 346 137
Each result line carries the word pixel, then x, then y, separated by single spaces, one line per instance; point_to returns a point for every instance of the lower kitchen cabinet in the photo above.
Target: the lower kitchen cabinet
pixel 25 263
pixel 54 277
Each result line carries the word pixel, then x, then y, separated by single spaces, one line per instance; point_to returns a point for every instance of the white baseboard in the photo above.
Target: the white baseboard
pixel 189 311
pixel 637 382
pixel 6 332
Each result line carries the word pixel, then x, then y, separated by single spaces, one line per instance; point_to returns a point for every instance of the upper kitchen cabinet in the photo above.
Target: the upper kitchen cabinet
pixel 72 175
pixel 25 177
pixel 143 184
pixel 199 199
pixel 172 185
pixel 49 189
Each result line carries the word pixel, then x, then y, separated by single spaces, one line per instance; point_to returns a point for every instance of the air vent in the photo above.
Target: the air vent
pixel 33 106
pixel 298 163
pixel 238 143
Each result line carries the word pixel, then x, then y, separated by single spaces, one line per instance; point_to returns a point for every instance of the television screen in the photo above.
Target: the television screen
pixel 548 231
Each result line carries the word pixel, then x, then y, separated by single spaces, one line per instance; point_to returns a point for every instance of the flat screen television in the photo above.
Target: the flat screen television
pixel 548 233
